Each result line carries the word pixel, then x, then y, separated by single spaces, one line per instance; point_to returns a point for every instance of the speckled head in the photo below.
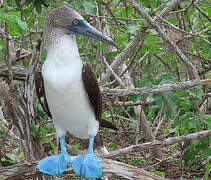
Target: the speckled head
pixel 57 21
pixel 64 21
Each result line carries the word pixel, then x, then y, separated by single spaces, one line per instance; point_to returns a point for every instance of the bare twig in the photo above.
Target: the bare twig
pixel 168 8
pixel 201 11
pixel 114 74
pixel 181 30
pixel 29 83
pixel 143 123
pixel 198 56
pixel 156 143
pixel 153 89
pixel 155 25
pixel 128 103
pixel 139 38
pixel 158 127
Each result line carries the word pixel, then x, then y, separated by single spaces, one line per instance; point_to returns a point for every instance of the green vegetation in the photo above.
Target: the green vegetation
pixel 152 63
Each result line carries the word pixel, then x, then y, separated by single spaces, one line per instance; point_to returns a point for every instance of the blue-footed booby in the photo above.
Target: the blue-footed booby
pixel 72 95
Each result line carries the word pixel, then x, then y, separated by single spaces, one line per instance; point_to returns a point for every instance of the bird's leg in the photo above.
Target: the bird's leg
pixel 88 165
pixel 62 144
pixel 56 164
pixel 91 144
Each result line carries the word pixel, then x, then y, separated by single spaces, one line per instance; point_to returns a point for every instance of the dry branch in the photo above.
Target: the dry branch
pixel 168 8
pixel 198 56
pixel 170 42
pixel 152 89
pixel 156 143
pixel 144 125
pixel 138 39
pixel 19 72
pixel 147 130
pixel 111 168
pixel 29 82
pixel 20 110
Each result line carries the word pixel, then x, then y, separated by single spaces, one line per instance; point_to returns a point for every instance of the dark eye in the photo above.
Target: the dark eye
pixel 75 21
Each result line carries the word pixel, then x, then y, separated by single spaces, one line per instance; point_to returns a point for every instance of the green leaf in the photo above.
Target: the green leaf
pixel 136 161
pixel 22 24
pixel 90 7
pixel 52 145
pixel 184 119
pixel 20 158
pixel 34 130
pixel 134 98
pixel 132 28
pixel 76 146
pixel 164 78
pixel 14 22
pixel 186 104
pixel 195 122
pixel 153 48
pixel 143 82
pixel 159 173
pixel 150 39
pixel 207 170
pixel 11 158
pixel 207 120
pixel 41 20
pixel 196 92
pixel 113 145
pixel 146 3
pixel 152 32
pixel 2 49
pixel 26 12
pixel 206 152
pixel 151 67
pixel 167 101
pixel 2 131
pixel 172 20
pixel 152 111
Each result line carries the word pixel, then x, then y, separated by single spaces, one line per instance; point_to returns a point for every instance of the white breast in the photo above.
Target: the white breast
pixel 66 96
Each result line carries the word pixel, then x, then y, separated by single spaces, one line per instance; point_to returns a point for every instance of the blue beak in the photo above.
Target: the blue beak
pixel 83 28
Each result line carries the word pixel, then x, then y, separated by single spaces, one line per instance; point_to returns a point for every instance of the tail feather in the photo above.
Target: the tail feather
pixel 107 124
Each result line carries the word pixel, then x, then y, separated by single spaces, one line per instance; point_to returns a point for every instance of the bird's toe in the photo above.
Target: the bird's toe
pixel 88 166
pixel 54 165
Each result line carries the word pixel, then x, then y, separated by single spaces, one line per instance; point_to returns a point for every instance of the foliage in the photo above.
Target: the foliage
pixel 22 22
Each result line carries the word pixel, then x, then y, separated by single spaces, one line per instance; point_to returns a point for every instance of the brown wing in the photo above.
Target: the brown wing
pixel 40 91
pixel 93 90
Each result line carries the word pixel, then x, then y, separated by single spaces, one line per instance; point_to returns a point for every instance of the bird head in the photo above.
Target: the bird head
pixel 65 20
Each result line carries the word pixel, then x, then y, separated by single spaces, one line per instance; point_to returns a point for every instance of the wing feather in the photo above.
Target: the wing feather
pixel 40 91
pixel 93 90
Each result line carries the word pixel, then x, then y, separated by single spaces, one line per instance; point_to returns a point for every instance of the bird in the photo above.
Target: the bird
pixel 69 92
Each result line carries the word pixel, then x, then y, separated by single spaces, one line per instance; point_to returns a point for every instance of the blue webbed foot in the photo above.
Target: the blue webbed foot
pixel 87 165
pixel 54 165
pixel 57 164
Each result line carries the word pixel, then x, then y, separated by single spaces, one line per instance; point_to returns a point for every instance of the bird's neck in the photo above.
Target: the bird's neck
pixel 63 50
